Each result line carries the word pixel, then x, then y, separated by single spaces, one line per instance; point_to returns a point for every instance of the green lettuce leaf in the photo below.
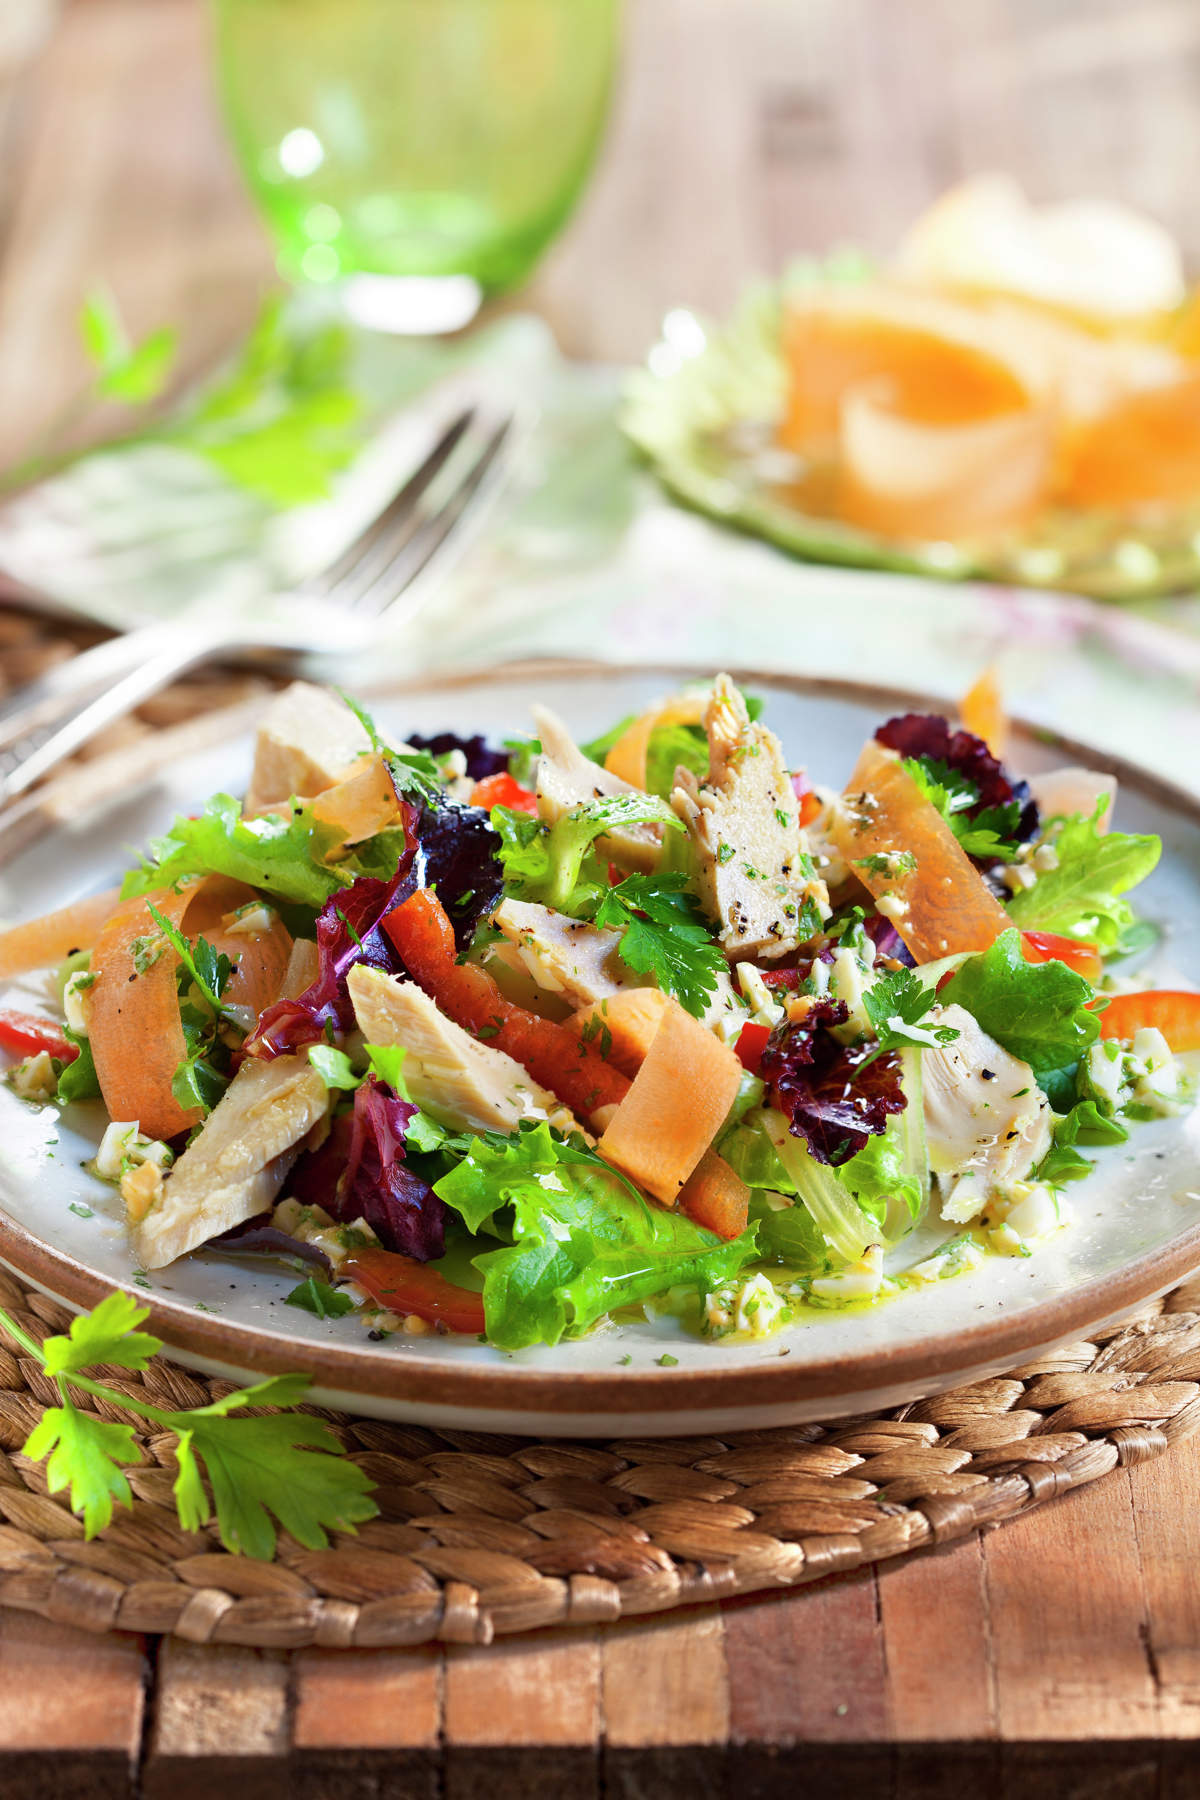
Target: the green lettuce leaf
pixel 876 1177
pixel 670 746
pixel 282 856
pixel 1037 1011
pixel 790 1235
pixel 582 1241
pixel 1080 898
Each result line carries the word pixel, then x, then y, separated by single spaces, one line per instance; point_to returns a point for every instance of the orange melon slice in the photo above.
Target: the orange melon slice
pixel 676 1104
pixel 1145 449
pixel 936 375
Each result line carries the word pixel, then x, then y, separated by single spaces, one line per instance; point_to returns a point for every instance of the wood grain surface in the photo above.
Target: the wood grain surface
pixel 1057 1656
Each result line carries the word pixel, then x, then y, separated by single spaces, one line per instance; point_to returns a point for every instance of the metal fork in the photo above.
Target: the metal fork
pixel 329 613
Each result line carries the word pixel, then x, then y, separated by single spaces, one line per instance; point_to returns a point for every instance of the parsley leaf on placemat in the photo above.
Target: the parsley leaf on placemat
pixel 284 1466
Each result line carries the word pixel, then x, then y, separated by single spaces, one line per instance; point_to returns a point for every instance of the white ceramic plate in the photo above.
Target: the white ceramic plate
pixel 1136 1223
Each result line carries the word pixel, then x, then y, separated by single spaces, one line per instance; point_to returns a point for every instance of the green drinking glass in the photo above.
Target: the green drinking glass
pixel 419 153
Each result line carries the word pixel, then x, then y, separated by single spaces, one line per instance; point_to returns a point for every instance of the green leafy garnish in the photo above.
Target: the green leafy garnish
pixel 316 1296
pixel 552 865
pixel 125 371
pixel 895 1004
pixel 1080 897
pixel 1037 1011
pixel 662 934
pixel 989 835
pixel 209 968
pixel 286 1466
pixel 1087 1124
pixel 524 846
pixel 280 421
pixel 581 1240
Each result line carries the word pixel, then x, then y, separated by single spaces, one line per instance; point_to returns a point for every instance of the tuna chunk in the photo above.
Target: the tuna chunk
pixel 306 739
pixel 987 1122
pixel 566 956
pixel 566 778
pixel 237 1164
pixel 754 875
pixel 465 1084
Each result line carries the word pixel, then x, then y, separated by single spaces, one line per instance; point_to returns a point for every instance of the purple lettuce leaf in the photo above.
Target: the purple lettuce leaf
pixel 928 734
pixel 887 939
pixel 820 1085
pixel 258 1237
pixel 482 760
pixel 458 852
pixel 349 931
pixel 359 1172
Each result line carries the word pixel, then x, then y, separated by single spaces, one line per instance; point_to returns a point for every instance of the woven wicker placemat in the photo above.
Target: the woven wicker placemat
pixel 480 1535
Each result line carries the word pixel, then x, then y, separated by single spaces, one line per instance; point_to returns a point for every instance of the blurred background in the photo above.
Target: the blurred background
pixel 741 132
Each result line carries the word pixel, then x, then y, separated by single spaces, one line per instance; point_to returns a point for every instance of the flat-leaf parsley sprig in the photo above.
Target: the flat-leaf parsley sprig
pixel 285 1467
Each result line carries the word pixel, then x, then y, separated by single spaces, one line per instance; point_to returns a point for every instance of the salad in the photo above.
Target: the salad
pixel 513 1041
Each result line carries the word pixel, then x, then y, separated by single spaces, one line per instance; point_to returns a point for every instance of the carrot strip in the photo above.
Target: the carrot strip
pixel 40 942
pixel 982 711
pixel 623 1027
pixel 133 1017
pixel 1170 1010
pixel 627 758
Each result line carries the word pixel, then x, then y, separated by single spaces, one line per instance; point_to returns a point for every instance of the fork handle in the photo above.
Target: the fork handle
pixel 154 657
pixel 50 696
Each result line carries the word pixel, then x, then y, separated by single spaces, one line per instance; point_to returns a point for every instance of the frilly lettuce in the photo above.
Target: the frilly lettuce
pixel 282 856
pixel 580 1240
pixel 1080 898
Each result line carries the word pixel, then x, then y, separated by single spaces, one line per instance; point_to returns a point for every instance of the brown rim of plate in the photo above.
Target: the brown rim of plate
pixel 425 1380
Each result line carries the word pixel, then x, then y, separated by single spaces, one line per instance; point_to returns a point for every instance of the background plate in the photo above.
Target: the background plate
pixel 1137 1220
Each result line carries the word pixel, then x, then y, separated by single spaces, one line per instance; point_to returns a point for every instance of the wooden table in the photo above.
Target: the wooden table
pixel 1060 1655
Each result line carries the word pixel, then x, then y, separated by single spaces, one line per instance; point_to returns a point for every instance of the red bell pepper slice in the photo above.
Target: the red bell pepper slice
pixel 1047 946
pixel 404 1286
pixel 1176 1014
pixel 26 1035
pixel 807 803
pixel 752 1041
pixel 503 790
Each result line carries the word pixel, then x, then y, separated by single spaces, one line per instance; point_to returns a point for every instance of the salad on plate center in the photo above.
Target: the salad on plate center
pixel 515 1041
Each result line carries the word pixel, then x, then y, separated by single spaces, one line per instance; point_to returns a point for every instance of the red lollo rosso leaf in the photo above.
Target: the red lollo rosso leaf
pixel 360 1173
pixel 820 1086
